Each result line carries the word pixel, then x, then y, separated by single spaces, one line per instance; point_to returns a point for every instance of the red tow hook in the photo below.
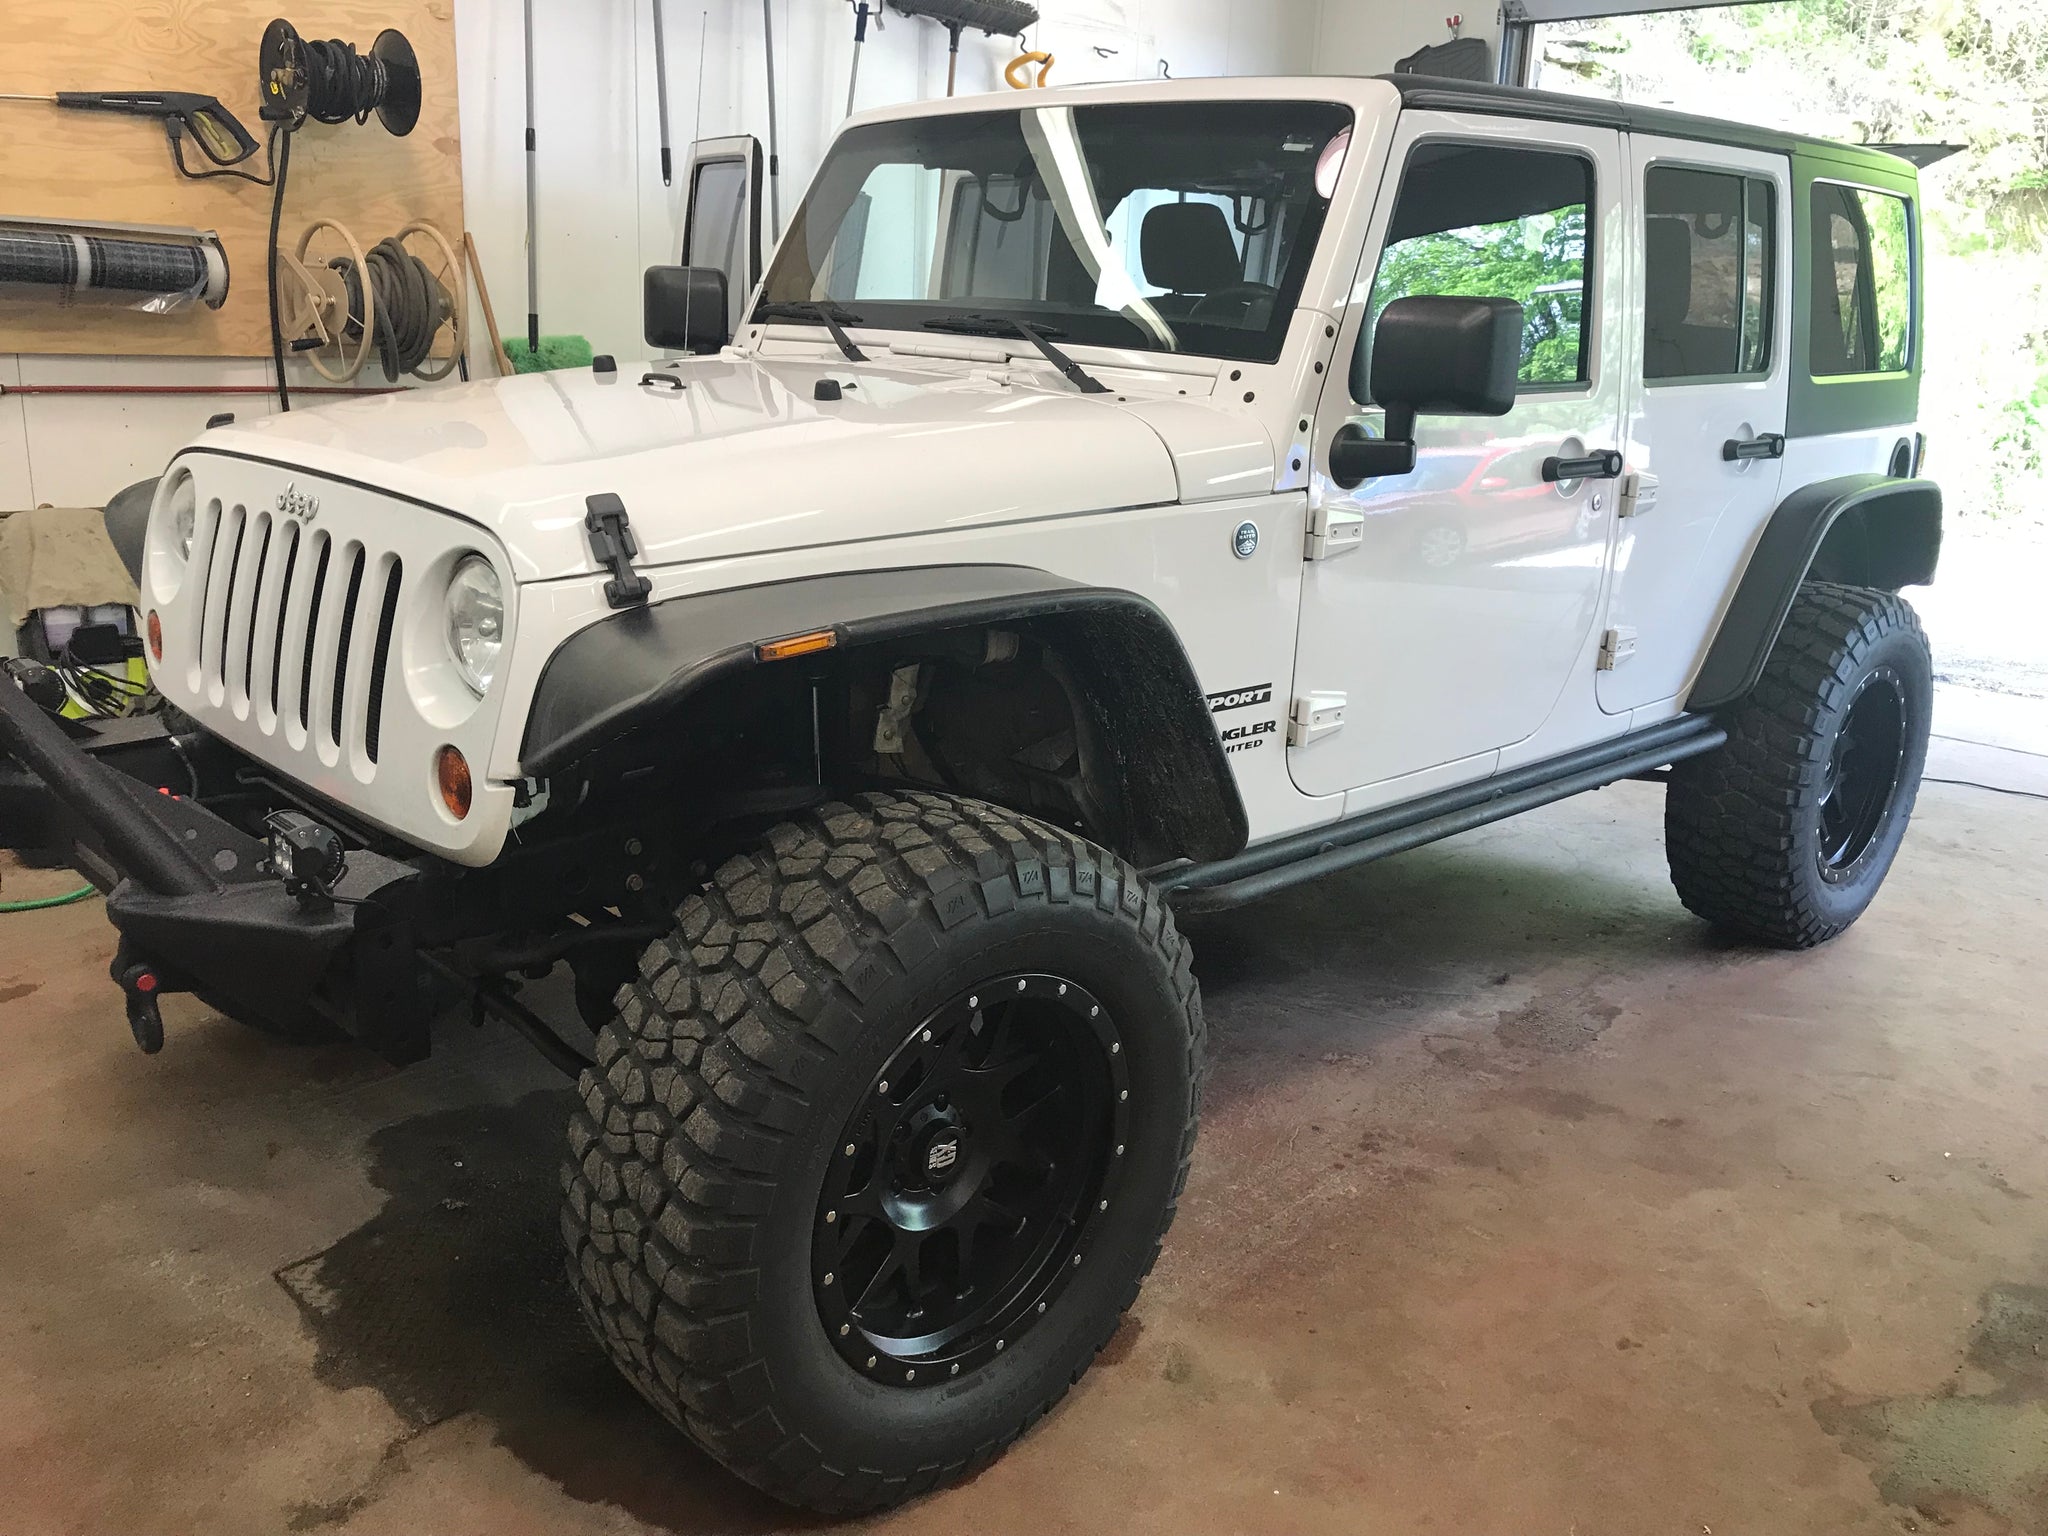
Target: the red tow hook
pixel 140 985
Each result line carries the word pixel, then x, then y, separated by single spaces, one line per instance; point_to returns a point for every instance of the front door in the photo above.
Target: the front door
pixel 1447 611
pixel 1707 422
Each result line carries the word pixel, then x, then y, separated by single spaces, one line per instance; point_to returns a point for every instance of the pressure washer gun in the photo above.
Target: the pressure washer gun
pixel 212 126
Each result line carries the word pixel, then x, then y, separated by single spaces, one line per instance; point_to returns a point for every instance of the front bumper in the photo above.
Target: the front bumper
pixel 193 897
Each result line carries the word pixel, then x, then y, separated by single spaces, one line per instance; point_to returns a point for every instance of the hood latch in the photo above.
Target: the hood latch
pixel 612 545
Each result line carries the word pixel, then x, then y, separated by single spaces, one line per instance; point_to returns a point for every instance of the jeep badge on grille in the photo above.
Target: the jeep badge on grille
pixel 293 502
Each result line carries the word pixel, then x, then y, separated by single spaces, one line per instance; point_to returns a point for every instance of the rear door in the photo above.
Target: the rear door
pixel 1447 611
pixel 1708 414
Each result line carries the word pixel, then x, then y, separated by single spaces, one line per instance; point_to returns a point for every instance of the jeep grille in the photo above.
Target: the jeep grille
pixel 284 609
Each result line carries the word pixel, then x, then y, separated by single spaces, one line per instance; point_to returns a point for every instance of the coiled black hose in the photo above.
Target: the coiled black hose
pixel 341 83
pixel 411 304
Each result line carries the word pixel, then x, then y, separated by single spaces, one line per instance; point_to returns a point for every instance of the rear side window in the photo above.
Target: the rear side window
pixel 1862 281
pixel 1494 222
pixel 1709 252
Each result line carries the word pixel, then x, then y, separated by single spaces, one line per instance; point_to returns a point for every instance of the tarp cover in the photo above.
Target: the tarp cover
pixel 56 557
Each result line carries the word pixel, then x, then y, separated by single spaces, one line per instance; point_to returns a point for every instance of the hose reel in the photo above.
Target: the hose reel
pixel 338 303
pixel 331 82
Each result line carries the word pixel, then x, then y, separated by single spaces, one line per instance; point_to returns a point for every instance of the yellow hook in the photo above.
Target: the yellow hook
pixel 1015 70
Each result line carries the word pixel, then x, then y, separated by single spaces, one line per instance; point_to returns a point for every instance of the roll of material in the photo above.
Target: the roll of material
pixel 135 266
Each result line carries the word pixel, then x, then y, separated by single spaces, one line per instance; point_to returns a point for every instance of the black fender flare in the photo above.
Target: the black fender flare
pixel 126 516
pixel 641 665
pixel 1864 530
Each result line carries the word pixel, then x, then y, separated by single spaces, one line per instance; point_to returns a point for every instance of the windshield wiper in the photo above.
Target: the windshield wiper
pixel 827 315
pixel 1005 325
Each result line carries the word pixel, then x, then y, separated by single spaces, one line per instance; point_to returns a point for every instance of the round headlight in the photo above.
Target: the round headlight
pixel 476 621
pixel 183 511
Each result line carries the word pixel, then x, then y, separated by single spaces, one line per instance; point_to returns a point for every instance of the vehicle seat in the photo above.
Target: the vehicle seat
pixel 1187 249
pixel 1671 348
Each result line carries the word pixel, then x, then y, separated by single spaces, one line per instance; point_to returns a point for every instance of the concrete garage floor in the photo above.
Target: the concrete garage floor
pixel 1523 1205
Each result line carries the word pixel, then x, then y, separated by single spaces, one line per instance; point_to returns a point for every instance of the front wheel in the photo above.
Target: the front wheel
pixel 882 1141
pixel 1784 834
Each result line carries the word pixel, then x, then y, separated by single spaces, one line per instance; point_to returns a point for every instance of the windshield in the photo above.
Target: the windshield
pixel 1172 227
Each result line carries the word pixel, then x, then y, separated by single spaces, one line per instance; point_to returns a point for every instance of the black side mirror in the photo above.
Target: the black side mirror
pixel 684 308
pixel 1432 355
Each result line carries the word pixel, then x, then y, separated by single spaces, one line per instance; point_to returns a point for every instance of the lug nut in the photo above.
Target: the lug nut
pixel 999 1346
pixel 849 1149
pixel 974 1002
pixel 1115 1046
pixel 828 1279
pixel 927 1034
pixel 910 1375
pixel 845 1329
pixel 871 1362
pixel 884 1088
pixel 1124 1094
pixel 830 1217
pixel 955 1371
pixel 1020 986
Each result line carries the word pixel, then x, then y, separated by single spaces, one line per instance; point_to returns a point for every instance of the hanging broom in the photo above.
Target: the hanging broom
pixel 997 18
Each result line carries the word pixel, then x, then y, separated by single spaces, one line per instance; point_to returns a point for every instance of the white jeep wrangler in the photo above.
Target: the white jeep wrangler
pixel 1114 502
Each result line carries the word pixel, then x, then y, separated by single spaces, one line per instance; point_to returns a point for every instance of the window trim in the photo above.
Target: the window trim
pixel 1774 308
pixel 1588 383
pixel 1910 366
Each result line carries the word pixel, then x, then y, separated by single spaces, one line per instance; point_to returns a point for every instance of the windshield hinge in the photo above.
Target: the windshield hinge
pixel 612 545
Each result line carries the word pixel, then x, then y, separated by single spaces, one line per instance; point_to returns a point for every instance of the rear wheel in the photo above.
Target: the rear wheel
pixel 1784 834
pixel 882 1141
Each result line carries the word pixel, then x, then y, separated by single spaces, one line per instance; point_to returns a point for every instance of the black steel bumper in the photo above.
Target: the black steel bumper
pixel 193 896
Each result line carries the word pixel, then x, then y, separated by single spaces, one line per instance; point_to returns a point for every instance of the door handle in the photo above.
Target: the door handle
pixel 1768 445
pixel 1603 465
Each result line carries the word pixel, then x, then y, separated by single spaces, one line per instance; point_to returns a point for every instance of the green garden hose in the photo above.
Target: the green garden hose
pixel 48 901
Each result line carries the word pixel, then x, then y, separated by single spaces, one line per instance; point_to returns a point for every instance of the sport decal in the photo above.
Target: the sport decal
pixel 1241 698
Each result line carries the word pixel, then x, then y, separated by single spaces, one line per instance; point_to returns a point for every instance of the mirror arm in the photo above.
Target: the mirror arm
pixel 1356 458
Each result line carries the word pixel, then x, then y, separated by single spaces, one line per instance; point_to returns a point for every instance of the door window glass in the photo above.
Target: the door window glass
pixel 718 205
pixel 1494 222
pixel 1706 274
pixel 1862 281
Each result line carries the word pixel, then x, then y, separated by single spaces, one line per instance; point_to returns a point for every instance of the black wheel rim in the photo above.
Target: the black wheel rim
pixel 1862 776
pixel 964 1190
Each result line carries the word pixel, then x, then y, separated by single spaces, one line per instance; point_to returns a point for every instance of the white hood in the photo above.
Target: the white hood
pixel 745 460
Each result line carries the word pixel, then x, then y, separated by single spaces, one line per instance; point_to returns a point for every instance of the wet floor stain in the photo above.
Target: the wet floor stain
pixel 1556 1021
pixel 1978 1450
pixel 451 1300
pixel 19 990
pixel 1565 1104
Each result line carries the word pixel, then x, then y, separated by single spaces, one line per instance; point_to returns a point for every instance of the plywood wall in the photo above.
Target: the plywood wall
pixel 79 165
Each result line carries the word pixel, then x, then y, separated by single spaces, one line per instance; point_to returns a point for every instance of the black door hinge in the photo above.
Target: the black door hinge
pixel 612 544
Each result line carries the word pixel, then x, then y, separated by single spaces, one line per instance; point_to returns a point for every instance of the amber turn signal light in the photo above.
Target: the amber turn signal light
pixel 156 637
pixel 451 772
pixel 796 645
